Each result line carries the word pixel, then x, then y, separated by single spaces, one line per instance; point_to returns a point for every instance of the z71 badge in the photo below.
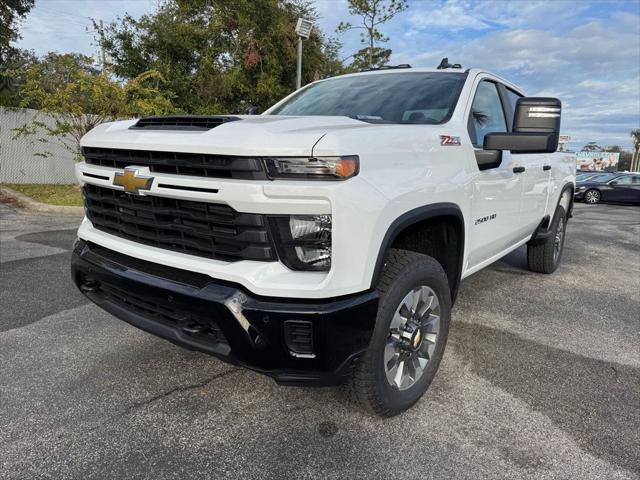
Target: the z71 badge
pixel 449 140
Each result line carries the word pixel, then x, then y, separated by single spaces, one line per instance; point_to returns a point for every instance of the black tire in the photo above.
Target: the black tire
pixel 403 271
pixel 592 196
pixel 543 257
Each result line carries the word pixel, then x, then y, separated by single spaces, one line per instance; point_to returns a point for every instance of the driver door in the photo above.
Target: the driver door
pixel 497 185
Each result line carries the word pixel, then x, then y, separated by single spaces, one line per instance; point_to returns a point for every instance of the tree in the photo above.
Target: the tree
pixel 219 56
pixel 373 13
pixel 17 61
pixel 78 97
pixel 11 58
pixel 635 156
pixel 11 12
pixel 591 147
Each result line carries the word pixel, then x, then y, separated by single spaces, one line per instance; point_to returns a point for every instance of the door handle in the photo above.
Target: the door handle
pixel 546 167
pixel 518 169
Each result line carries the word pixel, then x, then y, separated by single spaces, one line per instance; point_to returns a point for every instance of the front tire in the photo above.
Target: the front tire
pixel 592 196
pixel 545 257
pixel 410 335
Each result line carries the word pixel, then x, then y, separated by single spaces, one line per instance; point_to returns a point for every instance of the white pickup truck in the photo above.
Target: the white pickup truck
pixel 324 241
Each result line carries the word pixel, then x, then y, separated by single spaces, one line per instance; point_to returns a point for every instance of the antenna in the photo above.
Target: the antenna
pixel 444 64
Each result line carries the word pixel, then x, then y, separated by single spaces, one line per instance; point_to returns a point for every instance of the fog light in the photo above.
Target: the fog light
pixel 304 241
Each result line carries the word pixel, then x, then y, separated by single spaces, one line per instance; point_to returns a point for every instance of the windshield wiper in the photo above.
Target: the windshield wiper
pixel 370 118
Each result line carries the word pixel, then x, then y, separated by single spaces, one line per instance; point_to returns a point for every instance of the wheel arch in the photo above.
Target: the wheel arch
pixel 442 219
pixel 542 231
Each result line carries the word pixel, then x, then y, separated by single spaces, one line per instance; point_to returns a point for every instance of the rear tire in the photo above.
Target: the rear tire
pixel 417 280
pixel 544 257
pixel 592 196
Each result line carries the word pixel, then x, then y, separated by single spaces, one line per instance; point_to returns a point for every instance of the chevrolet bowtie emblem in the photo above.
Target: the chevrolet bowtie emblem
pixel 131 181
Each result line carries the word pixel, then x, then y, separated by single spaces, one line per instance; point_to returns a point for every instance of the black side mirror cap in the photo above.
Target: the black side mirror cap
pixel 537 115
pixel 252 110
pixel 522 142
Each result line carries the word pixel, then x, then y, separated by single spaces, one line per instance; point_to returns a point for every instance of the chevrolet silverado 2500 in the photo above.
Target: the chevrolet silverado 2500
pixel 324 241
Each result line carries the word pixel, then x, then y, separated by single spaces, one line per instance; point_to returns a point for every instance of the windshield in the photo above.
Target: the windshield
pixel 414 98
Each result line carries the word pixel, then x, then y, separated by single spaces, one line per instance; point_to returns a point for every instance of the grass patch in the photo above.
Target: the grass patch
pixel 48 193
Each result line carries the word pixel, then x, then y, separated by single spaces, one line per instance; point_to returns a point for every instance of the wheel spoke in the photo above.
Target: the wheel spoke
pixel 423 362
pixel 405 307
pixel 431 322
pixel 411 369
pixel 417 295
pixel 390 354
pixel 418 365
pixel 429 301
pixel 430 338
pixel 399 373
pixel 397 321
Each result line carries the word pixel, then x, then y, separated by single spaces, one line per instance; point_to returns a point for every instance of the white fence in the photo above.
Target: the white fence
pixel 18 162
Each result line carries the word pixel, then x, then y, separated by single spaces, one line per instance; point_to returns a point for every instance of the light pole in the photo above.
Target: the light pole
pixel 303 29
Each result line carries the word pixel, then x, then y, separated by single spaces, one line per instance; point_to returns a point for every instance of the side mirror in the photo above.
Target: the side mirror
pixel 613 183
pixel 536 127
pixel 252 110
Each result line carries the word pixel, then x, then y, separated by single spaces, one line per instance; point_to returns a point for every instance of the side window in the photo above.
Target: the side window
pixel 486 114
pixel 513 98
pixel 624 180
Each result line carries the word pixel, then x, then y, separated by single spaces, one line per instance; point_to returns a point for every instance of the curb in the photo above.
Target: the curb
pixel 28 203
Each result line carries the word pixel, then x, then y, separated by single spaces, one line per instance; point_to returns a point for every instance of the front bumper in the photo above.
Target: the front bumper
pixel 222 319
pixel 579 194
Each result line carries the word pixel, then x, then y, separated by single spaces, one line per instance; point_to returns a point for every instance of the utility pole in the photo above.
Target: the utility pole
pixel 303 29
pixel 299 65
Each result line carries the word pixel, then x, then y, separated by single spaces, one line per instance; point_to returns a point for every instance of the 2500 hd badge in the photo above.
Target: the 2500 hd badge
pixel 324 241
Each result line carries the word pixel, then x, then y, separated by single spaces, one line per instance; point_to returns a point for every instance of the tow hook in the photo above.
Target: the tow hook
pixel 90 286
pixel 189 326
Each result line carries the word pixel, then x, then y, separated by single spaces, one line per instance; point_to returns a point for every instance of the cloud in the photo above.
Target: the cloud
pixel 584 52
pixel 451 15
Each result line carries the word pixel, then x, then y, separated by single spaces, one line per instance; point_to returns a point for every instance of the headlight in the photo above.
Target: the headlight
pixel 313 168
pixel 303 241
pixel 582 188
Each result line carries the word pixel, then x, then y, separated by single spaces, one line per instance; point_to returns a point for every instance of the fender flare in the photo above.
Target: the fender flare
pixel 542 231
pixel 412 217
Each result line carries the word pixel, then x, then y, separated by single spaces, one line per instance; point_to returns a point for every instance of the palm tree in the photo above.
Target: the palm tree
pixel 635 156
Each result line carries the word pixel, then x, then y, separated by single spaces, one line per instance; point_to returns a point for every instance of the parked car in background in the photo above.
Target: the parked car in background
pixel 612 187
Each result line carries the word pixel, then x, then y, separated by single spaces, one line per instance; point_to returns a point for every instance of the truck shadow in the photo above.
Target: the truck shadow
pixel 595 402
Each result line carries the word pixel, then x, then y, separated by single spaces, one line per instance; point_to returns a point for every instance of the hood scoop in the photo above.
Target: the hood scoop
pixel 182 122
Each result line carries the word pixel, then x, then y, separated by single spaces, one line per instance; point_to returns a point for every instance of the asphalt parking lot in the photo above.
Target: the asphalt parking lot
pixel 541 379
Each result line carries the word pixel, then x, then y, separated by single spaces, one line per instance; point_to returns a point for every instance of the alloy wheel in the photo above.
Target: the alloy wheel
pixel 592 196
pixel 557 241
pixel 412 337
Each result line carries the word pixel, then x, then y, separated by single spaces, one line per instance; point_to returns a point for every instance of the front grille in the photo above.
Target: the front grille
pixel 176 163
pixel 196 228
pixel 149 309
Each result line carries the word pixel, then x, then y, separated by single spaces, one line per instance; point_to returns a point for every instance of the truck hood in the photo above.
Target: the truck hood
pixel 260 135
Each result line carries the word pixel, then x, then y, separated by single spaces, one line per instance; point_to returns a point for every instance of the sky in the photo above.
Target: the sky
pixel 585 53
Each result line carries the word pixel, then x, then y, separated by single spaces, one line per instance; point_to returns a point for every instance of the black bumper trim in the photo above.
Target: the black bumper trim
pixel 188 313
